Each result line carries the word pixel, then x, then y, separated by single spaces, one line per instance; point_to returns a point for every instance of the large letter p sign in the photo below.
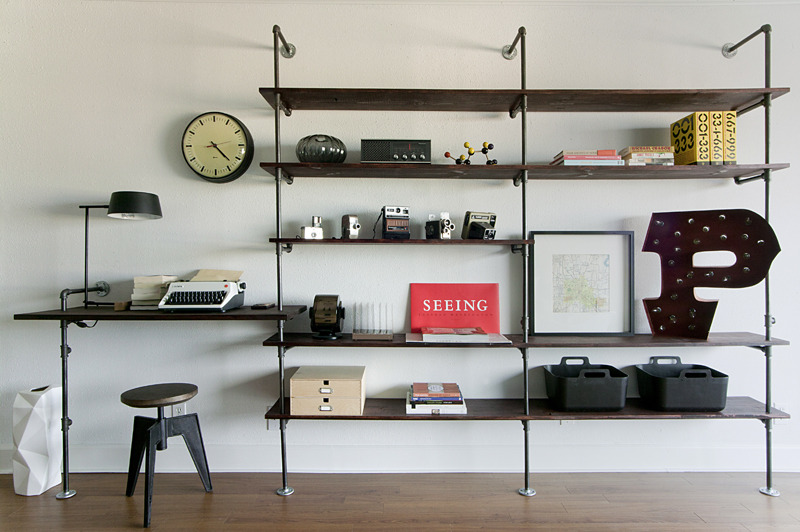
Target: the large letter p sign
pixel 676 237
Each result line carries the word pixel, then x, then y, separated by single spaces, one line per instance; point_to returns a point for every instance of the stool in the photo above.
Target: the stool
pixel 150 435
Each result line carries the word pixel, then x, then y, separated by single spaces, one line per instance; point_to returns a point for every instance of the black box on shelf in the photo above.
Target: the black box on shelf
pixel 681 387
pixel 585 386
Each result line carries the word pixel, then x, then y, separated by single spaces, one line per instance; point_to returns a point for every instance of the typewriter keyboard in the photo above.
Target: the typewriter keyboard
pixel 196 297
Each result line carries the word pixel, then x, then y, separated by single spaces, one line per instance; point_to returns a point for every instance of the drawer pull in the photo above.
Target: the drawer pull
pixel 325 408
pixel 326 390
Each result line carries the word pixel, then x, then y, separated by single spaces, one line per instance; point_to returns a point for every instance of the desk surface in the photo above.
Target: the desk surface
pixel 108 313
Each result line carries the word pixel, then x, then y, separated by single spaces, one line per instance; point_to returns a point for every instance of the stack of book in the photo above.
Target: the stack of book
pixel 648 155
pixel 148 291
pixel 435 398
pixel 587 158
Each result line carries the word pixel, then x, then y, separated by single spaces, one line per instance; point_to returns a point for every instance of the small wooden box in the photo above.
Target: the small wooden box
pixel 327 391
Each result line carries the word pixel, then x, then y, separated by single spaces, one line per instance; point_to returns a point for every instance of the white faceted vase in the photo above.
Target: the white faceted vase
pixel 37 440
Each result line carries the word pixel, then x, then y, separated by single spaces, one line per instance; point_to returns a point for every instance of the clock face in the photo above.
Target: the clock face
pixel 217 147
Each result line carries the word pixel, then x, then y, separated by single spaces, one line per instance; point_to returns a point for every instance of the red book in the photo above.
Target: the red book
pixel 435 389
pixel 455 305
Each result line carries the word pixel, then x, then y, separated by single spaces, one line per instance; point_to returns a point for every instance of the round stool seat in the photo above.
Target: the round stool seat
pixel 157 395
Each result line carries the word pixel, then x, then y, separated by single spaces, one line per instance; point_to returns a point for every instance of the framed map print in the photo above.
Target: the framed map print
pixel 581 282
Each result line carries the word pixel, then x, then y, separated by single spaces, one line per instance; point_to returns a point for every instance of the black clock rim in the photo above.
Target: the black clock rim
pixel 248 156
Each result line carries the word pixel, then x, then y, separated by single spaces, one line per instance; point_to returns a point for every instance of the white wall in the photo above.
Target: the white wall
pixel 96 94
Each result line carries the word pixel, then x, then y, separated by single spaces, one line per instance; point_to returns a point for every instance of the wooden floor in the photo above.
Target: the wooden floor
pixel 431 502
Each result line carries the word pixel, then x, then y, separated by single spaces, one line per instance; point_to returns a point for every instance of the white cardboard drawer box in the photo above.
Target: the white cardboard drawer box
pixel 327 391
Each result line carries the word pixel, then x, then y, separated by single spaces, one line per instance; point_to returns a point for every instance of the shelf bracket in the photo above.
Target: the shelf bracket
pixel 510 50
pixel 516 108
pixel 518 180
pixel 287 247
pixel 517 248
pixel 739 180
pixel 285 108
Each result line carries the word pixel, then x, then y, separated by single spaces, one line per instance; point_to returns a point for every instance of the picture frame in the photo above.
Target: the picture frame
pixel 581 283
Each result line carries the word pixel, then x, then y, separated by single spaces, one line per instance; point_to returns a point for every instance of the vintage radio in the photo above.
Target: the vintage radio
pixel 395 151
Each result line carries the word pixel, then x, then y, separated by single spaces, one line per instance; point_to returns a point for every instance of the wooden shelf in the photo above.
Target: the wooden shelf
pixel 731 339
pixel 511 171
pixel 398 340
pixel 108 313
pixel 413 241
pixel 512 409
pixel 505 100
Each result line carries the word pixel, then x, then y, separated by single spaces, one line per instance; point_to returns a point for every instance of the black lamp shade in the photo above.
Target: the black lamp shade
pixel 127 205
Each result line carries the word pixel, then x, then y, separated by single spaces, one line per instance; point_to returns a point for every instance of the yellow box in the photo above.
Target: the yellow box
pixel 327 391
pixel 729 137
pixel 690 136
pixel 716 143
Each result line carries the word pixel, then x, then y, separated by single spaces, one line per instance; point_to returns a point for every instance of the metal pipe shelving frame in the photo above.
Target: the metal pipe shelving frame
pixel 281 47
pixel 729 51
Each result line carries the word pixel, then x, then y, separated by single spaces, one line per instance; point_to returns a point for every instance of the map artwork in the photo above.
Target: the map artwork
pixel 581 283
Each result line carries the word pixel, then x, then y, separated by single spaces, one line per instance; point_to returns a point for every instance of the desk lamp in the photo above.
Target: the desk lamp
pixel 124 205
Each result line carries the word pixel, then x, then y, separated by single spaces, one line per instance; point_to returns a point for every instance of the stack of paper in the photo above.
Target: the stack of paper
pixel 148 291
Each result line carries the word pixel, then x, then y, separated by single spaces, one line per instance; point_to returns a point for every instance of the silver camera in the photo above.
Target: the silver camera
pixel 440 228
pixel 479 225
pixel 350 226
pixel 315 231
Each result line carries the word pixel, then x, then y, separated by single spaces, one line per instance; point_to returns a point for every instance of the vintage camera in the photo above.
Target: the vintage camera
pixel 439 229
pixel 478 226
pixel 315 231
pixel 396 223
pixel 350 226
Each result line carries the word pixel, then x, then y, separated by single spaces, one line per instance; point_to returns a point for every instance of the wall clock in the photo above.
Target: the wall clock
pixel 217 147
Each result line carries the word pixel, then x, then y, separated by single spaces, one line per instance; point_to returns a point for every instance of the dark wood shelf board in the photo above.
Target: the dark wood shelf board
pixel 108 313
pixel 511 171
pixel 721 339
pixel 415 241
pixel 504 100
pixel 513 409
pixel 398 340
pixel 730 339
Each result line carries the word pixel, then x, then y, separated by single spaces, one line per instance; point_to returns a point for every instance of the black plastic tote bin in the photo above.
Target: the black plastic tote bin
pixel 681 387
pixel 585 386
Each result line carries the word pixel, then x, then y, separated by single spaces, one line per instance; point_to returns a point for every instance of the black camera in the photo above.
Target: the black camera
pixel 439 229
pixel 481 231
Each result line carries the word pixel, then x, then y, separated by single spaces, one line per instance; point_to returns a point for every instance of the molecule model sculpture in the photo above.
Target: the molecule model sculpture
pixel 465 159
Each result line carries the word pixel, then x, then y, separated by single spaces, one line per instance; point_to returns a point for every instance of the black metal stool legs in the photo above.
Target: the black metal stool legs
pixel 188 426
pixel 139 442
pixel 148 437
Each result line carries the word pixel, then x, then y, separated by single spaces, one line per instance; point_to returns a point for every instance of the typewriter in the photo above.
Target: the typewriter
pixel 216 296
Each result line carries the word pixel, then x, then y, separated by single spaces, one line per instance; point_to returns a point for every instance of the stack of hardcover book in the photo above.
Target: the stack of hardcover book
pixel 148 291
pixel 587 158
pixel 648 155
pixel 435 398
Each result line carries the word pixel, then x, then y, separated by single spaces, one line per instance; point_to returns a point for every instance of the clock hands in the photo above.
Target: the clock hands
pixel 215 145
